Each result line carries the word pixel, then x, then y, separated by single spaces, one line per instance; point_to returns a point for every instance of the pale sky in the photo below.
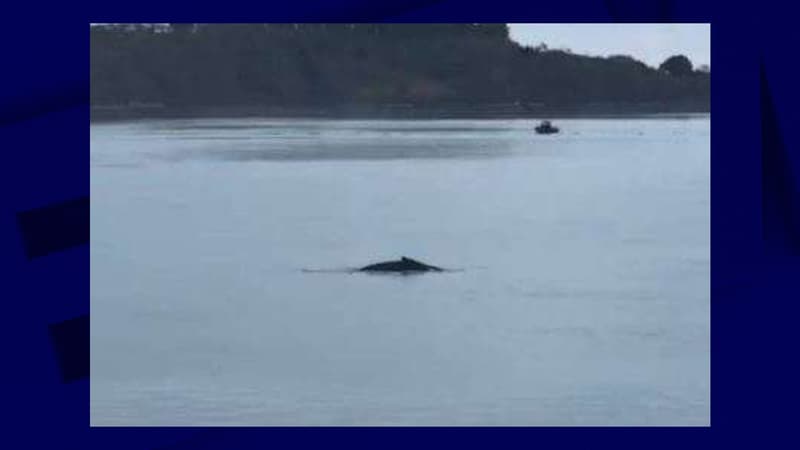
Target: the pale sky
pixel 649 43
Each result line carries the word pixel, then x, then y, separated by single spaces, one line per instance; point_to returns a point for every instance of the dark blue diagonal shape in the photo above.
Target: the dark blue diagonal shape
pixel 71 344
pixel 46 100
pixel 780 201
pixel 54 227
pixel 639 9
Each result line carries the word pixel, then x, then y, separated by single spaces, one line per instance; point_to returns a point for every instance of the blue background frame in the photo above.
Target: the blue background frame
pixel 44 220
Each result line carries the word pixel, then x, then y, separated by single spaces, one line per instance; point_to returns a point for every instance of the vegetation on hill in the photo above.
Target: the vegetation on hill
pixel 323 65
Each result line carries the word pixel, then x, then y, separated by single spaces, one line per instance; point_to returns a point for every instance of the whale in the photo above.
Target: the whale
pixel 402 265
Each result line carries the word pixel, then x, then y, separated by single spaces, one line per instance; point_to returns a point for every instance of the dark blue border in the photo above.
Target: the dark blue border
pixel 754 209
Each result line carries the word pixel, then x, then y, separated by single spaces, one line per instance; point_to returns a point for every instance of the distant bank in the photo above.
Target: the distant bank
pixel 370 71
pixel 488 111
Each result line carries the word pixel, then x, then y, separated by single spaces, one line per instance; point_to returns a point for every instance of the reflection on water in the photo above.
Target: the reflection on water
pixel 312 151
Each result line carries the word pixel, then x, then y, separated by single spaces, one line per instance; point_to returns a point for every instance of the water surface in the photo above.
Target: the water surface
pixel 582 295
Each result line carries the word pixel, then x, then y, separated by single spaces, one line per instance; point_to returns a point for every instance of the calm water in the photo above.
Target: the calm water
pixel 583 297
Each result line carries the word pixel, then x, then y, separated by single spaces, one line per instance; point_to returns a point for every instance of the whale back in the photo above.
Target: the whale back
pixel 404 264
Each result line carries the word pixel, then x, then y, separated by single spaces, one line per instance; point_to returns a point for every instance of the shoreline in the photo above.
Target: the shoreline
pixel 100 114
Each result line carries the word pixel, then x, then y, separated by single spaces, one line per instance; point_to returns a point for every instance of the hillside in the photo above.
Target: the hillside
pixel 303 67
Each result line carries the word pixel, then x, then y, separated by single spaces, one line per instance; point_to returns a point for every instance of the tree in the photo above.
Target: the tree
pixel 678 66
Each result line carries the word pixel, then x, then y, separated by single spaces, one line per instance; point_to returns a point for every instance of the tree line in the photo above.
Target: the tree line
pixel 373 64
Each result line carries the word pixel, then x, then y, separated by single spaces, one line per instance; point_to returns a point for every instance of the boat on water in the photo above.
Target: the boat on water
pixel 546 128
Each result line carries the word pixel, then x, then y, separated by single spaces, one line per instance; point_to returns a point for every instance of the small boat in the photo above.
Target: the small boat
pixel 546 128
